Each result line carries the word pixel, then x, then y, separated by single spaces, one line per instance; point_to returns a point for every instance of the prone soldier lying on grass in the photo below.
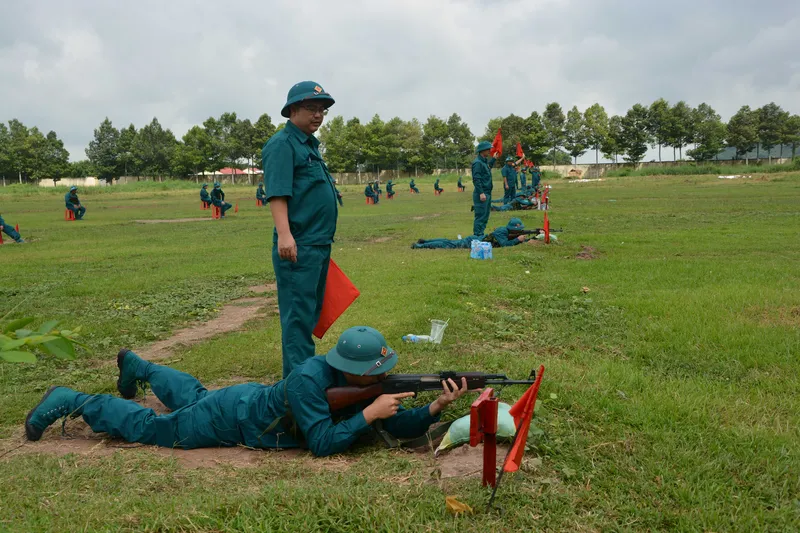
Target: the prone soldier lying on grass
pixel 292 413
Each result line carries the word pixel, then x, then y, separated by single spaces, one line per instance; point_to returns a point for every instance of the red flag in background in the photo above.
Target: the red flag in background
pixel 546 229
pixel 519 150
pixel 528 163
pixel 339 294
pixel 497 144
pixel 522 413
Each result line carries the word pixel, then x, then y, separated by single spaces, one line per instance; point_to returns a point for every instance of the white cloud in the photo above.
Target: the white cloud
pixel 66 65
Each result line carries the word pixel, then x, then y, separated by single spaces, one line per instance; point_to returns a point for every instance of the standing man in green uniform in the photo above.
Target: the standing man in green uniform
pixel 261 195
pixel 204 196
pixel 369 192
pixel 218 199
pixel 9 230
pixel 289 414
pixel 536 177
pixel 509 180
pixel 482 182
pixel 302 199
pixel 74 204
pixel 523 178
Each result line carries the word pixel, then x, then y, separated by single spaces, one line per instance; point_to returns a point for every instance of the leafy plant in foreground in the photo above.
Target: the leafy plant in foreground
pixel 17 344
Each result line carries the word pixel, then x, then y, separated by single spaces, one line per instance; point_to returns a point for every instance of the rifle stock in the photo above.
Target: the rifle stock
pixel 341 397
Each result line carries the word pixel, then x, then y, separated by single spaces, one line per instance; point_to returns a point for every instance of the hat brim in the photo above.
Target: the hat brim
pixel 328 100
pixel 358 368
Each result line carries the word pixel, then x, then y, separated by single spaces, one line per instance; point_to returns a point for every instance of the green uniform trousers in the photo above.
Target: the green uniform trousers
pixel 482 210
pixel 199 418
pixel 439 244
pixel 301 288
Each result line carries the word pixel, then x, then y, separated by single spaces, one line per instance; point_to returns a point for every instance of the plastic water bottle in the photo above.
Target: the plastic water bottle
pixel 459 236
pixel 416 338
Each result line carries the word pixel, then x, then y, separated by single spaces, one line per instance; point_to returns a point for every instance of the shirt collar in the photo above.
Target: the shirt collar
pixel 300 135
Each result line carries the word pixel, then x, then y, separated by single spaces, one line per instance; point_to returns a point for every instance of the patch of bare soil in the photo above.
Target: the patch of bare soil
pixel 774 316
pixel 587 253
pixel 232 317
pixel 434 215
pixel 465 461
pixel 172 220
pixel 380 239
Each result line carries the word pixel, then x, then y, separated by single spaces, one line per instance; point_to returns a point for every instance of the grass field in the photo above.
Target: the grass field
pixel 671 397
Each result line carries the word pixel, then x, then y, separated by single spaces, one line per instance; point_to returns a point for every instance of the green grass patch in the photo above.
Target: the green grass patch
pixel 671 392
pixel 700 169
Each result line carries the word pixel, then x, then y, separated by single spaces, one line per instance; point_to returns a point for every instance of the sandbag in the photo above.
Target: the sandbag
pixel 458 433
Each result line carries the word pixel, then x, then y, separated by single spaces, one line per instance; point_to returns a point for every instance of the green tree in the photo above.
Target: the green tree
pixel 355 136
pixel 54 162
pixel 191 155
pixel 461 141
pixel 103 151
pixel 436 143
pixel 373 141
pixel 771 120
pixel 263 130
pixel 710 134
pixel 742 132
pixel 635 136
pixel 126 162
pixel 5 151
pixel 596 121
pixel 333 145
pixel 534 138
pixel 791 133
pixel 613 144
pixel 80 169
pixel 391 144
pixel 154 148
pixel 20 156
pixel 411 145
pixel 227 141
pixel 575 134
pixel 554 121
pixel 658 121
pixel 679 128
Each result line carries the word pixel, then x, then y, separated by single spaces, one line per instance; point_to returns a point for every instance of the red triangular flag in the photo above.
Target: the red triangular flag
pixel 522 411
pixel 497 144
pixel 520 153
pixel 546 229
pixel 339 294
pixel 1 237
pixel 17 228
pixel 236 209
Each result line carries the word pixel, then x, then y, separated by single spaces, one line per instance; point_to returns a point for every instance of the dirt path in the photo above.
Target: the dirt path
pixel 232 317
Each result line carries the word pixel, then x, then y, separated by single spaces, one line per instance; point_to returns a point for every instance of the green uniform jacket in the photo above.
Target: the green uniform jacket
pixel 71 199
pixel 260 194
pixel 218 194
pixel 305 390
pixel 500 236
pixel 510 174
pixel 482 175
pixel 204 196
pixel 293 168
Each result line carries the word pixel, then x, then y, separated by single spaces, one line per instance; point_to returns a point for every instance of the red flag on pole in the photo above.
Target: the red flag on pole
pixel 520 153
pixel 497 144
pixel 339 294
pixel 522 413
pixel 546 229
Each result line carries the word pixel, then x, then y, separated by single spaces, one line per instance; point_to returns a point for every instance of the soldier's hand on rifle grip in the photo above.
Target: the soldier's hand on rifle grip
pixel 451 393
pixel 385 406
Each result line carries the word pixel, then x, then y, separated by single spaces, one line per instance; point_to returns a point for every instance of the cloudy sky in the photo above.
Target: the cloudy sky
pixel 67 64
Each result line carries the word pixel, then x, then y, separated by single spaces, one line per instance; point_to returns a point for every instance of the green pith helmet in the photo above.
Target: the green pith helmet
pixel 362 351
pixel 73 188
pixel 306 90
pixel 483 145
pixel 217 185
pixel 515 223
pixel 509 159
pixel 205 185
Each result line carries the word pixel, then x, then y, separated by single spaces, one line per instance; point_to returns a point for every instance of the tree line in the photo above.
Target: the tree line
pixel 349 146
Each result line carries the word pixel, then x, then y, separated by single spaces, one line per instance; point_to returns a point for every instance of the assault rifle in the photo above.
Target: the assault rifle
pixel 341 397
pixel 514 233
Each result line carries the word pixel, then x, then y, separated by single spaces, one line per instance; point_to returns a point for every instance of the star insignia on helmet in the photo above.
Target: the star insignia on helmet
pixel 384 351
